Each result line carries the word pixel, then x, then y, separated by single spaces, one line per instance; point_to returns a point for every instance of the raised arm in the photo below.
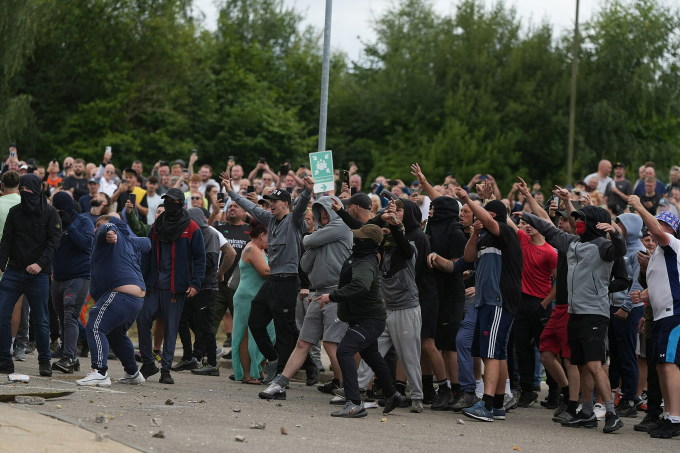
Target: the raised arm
pixel 427 187
pixel 650 221
pixel 535 206
pixel 251 208
pixel 479 212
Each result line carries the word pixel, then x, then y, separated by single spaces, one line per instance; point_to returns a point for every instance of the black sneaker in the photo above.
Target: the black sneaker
pixel 84 350
pixel 626 408
pixel 66 365
pixel 649 423
pixel 581 420
pixel 54 346
pixel 612 423
pixel 443 400
pixel 552 401
pixel 184 364
pixel 312 375
pixel 397 399
pixel 7 367
pixel 165 377
pixel 206 370
pixel 329 386
pixel 527 398
pixel 45 368
pixel 30 347
pixel 227 356
pixel 149 369
pixel 666 430
pixel 561 408
pixel 563 417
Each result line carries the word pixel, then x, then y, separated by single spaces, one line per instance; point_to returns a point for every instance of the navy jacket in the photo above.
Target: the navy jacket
pixel 72 258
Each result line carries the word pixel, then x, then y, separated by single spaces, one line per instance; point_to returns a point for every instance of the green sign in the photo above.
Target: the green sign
pixel 321 164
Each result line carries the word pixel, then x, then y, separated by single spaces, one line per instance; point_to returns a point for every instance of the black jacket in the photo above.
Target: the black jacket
pixel 30 238
pixel 358 294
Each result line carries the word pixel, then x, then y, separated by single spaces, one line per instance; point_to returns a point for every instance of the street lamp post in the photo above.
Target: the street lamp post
pixel 325 75
pixel 572 102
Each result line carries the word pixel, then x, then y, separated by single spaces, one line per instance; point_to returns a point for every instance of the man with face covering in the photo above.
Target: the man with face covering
pixel 30 238
pixel 173 271
pixel 447 240
pixel 590 258
pixel 71 280
pixel 496 253
pixel 361 306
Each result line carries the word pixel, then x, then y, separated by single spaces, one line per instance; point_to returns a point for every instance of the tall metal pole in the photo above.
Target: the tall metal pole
pixel 325 74
pixel 572 103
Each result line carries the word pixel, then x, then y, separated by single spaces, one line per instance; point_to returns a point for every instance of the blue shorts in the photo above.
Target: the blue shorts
pixel 666 338
pixel 492 332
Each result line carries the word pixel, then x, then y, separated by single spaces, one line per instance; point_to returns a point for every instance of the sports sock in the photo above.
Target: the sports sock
pixel 498 401
pixel 587 408
pixel 565 393
pixel 609 406
pixel 572 406
pixel 507 387
pixel 401 387
pixel 488 401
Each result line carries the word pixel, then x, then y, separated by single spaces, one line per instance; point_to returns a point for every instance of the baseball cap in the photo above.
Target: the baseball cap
pixel 664 202
pixel 619 164
pixel 278 194
pixel 360 199
pixel 92 180
pixel 669 219
pixel 174 194
pixel 23 167
pixel 369 231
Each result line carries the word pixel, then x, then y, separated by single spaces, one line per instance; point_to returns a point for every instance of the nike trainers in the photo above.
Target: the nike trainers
pixel 94 379
pixel 274 392
pixel 132 379
pixel 351 410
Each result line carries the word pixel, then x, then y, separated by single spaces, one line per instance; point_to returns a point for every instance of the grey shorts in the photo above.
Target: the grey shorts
pixel 322 323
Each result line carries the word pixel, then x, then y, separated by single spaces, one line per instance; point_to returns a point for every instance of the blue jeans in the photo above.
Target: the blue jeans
pixel 466 365
pixel 623 365
pixel 36 290
pixel 107 326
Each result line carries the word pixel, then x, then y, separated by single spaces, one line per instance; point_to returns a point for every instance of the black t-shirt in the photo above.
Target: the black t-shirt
pixel 613 200
pixel 79 186
pixel 650 202
pixel 236 235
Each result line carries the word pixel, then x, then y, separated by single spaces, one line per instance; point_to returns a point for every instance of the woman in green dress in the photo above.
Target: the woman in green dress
pixel 254 269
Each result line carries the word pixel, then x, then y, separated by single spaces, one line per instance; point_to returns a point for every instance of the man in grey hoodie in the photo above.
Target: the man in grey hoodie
pixel 624 319
pixel 325 251
pixel 277 298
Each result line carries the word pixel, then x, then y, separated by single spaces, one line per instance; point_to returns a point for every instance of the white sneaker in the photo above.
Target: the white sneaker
pixel 599 411
pixel 95 379
pixel 132 379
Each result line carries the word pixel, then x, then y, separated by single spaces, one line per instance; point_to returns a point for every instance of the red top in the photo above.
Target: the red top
pixel 539 262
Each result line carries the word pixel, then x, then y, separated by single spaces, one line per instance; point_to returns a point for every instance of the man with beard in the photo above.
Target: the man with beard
pixel 590 259
pixel 100 205
pixel 31 236
pixel 447 240
pixel 173 271
pixel 77 183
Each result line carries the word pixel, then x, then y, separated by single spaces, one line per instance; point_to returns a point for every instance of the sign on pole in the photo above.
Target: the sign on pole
pixel 321 164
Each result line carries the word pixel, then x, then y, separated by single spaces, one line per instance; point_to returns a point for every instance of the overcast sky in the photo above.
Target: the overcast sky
pixel 352 18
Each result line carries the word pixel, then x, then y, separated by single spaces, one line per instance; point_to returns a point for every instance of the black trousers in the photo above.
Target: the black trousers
pixel 197 317
pixel 654 397
pixel 529 322
pixel 276 301
pixel 362 337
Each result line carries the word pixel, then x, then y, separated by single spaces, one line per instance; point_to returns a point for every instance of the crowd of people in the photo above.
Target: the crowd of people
pixel 446 295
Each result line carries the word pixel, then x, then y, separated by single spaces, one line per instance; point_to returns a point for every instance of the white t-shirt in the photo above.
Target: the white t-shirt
pixel 663 279
pixel 601 183
pixel 152 203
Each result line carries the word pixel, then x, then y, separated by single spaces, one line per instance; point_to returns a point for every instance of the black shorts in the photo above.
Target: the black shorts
pixel 429 310
pixel 448 322
pixel 587 335
pixel 666 340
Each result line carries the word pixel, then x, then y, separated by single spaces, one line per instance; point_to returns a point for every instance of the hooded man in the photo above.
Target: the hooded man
pixel 30 238
pixel 173 271
pixel 496 253
pixel 590 258
pixel 71 280
pixel 624 319
pixel 325 251
pixel 447 240
pixel 197 312
pixel 119 296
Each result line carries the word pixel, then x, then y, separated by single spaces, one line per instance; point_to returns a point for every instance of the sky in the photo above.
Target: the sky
pixel 352 18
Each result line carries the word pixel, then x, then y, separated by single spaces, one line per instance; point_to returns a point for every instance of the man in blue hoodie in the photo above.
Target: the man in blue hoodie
pixel 71 278
pixel 119 297
pixel 173 271
pixel 624 320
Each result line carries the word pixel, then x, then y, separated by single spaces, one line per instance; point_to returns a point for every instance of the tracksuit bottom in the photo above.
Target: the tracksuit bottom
pixel 466 363
pixel 107 327
pixel 68 297
pixel 362 337
pixel 160 303
pixel 402 330
pixel 197 316
pixel 623 365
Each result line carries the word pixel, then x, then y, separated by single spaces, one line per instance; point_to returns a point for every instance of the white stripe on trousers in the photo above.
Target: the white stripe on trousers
pixel 95 328
pixel 498 312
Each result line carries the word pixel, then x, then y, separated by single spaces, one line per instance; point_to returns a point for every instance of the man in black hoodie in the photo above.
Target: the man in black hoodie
pixel 31 236
pixel 447 240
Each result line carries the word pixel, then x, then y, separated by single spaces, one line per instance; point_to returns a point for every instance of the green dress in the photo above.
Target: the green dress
pixel 249 284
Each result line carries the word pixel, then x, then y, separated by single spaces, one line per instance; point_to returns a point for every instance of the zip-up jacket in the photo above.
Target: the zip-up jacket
pixel 72 258
pixel 211 240
pixel 589 264
pixel 633 225
pixel 358 294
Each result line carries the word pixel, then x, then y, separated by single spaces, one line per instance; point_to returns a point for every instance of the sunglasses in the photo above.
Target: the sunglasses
pixel 195 198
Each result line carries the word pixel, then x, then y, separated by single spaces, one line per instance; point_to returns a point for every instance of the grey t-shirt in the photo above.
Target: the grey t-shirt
pixel 613 200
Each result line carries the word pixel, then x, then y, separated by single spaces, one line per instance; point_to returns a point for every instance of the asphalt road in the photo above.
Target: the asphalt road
pixel 208 413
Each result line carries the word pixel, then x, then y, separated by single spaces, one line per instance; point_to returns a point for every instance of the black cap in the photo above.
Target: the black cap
pixel 278 194
pixel 619 164
pixel 360 199
pixel 174 194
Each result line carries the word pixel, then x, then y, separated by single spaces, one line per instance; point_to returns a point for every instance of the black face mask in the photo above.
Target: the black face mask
pixel 95 203
pixel 172 208
pixel 364 247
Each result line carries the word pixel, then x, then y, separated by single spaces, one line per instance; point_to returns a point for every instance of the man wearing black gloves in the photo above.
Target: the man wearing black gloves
pixel 31 236
pixel 360 305
pixel 71 276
